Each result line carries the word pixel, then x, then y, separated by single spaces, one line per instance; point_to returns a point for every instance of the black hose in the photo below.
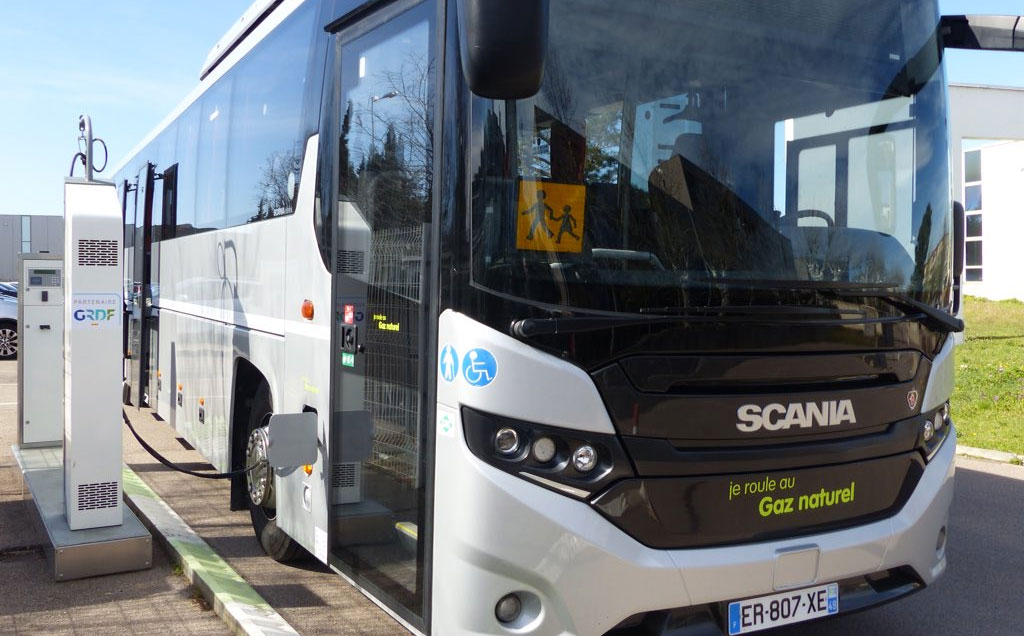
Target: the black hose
pixel 106 155
pixel 77 156
pixel 166 462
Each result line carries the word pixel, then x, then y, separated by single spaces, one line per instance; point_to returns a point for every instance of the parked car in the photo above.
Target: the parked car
pixel 8 328
pixel 10 290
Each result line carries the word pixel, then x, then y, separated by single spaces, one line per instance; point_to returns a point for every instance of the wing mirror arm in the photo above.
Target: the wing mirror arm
pixel 982 32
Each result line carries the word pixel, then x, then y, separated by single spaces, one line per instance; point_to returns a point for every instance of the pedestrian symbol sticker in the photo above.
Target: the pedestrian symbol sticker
pixel 449 364
pixel 550 216
pixel 479 367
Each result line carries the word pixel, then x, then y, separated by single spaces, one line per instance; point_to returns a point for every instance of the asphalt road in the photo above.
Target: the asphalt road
pixel 982 591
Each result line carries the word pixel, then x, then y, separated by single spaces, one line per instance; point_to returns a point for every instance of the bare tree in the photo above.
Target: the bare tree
pixel 276 189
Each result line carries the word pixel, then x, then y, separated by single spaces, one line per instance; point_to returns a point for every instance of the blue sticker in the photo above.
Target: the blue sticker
pixel 479 367
pixel 449 364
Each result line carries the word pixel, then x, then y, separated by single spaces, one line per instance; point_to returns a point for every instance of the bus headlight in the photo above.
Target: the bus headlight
pixel 544 449
pixel 584 458
pixel 575 463
pixel 506 441
pixel 929 431
pixel 508 608
pixel 935 426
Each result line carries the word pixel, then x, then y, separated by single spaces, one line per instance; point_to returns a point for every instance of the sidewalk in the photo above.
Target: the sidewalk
pixel 307 594
pixel 154 601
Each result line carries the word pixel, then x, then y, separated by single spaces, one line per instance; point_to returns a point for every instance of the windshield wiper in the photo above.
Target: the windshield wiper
pixel 748 310
pixel 529 327
pixel 941 318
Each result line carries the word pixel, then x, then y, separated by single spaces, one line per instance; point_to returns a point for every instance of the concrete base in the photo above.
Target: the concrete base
pixel 77 554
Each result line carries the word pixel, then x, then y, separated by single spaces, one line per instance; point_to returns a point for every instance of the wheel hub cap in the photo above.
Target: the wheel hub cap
pixel 8 342
pixel 259 480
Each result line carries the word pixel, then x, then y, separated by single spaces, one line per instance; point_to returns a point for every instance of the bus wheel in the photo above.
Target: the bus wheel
pixel 260 484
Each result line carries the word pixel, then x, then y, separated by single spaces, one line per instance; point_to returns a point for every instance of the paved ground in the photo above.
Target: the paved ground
pixel 146 602
pixel 312 598
pixel 980 594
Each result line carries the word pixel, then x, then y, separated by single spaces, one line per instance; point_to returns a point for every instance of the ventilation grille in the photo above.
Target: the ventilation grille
pixel 96 496
pixel 351 262
pixel 102 252
pixel 343 475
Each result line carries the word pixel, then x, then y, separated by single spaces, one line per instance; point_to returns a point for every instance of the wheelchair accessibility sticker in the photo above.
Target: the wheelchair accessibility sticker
pixel 479 367
pixel 449 364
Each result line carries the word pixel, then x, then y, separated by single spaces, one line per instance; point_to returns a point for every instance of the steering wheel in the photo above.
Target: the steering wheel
pixel 792 218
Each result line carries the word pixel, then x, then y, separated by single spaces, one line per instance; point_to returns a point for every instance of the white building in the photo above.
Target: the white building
pixel 988 176
pixel 993 196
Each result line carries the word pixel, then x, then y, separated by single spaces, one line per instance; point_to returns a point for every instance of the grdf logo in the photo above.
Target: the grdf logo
pixel 93 315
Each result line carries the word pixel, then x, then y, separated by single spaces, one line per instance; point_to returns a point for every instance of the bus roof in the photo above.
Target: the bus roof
pixel 241 28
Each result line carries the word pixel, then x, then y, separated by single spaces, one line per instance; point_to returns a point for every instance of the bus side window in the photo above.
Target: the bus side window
pixel 185 175
pixel 266 142
pixel 169 207
pixel 212 159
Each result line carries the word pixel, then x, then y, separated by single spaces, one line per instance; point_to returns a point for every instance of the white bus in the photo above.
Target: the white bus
pixel 616 317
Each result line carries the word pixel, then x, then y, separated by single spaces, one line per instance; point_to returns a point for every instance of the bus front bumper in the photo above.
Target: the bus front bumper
pixel 576 573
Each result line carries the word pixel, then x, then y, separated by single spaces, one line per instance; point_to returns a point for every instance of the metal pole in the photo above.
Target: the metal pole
pixel 85 126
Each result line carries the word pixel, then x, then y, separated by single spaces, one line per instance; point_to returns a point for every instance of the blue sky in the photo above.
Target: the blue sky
pixel 128 63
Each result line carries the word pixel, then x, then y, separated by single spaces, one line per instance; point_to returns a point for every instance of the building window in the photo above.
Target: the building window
pixel 26 234
pixel 973 205
pixel 972 166
pixel 972 198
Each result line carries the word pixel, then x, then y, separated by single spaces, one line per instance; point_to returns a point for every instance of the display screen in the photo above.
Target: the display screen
pixel 44 277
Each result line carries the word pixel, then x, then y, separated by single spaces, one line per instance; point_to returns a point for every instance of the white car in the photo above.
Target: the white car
pixel 8 328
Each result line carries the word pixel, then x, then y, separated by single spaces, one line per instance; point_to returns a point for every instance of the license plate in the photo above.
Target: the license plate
pixel 755 614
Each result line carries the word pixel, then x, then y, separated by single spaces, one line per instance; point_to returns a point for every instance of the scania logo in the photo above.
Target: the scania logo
pixel 912 399
pixel 779 417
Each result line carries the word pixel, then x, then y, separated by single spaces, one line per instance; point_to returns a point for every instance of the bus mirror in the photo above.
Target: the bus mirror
pixel 292 439
pixel 503 45
pixel 983 32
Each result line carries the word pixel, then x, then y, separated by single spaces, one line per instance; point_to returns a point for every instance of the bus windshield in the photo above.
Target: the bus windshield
pixel 681 145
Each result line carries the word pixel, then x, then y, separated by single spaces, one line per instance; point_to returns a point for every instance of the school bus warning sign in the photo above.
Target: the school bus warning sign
pixel 550 216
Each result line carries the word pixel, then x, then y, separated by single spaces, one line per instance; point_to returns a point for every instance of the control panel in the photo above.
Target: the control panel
pixel 44 277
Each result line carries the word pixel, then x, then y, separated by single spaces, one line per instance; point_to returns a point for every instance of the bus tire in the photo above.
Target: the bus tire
pixel 278 545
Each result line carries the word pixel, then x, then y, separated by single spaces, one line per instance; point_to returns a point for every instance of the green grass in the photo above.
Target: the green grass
pixel 988 403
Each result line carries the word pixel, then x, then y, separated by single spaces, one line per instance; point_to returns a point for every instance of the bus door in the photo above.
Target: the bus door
pixel 384 72
pixel 128 190
pixel 140 304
